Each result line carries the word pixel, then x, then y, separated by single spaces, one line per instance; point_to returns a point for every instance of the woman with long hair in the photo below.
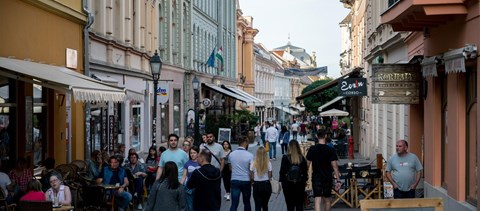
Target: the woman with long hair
pixel 152 164
pixel 293 163
pixel 284 139
pixel 261 173
pixel 167 193
pixel 190 166
pixel 227 169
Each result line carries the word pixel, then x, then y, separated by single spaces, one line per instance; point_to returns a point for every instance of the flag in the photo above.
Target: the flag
pixel 219 57
pixel 211 59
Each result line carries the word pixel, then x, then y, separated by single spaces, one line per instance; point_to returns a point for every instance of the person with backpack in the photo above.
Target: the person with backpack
pixel 293 176
pixel 324 163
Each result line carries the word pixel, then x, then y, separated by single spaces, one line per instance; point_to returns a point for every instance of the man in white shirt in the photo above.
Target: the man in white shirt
pixel 241 159
pixel 295 130
pixel 272 137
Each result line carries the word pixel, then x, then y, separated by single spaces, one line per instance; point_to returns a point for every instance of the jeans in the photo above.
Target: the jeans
pixel 284 148
pixel 124 197
pixel 243 187
pixel 262 190
pixel 189 198
pixel 398 194
pixel 273 149
pixel 295 134
pixel 138 189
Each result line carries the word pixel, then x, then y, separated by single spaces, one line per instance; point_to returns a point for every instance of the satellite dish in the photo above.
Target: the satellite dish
pixel 206 102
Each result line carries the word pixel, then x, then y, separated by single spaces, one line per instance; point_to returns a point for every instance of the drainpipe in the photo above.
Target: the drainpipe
pixel 86 67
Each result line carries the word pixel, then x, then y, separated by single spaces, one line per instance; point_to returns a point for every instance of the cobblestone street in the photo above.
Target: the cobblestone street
pixel 277 202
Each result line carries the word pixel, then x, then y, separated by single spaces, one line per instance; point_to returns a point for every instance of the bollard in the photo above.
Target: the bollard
pixel 350 147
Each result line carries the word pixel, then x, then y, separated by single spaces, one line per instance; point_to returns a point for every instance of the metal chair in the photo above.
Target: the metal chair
pixel 35 205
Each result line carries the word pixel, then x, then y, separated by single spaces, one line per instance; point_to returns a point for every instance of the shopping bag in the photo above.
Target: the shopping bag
pixel 276 186
pixel 267 146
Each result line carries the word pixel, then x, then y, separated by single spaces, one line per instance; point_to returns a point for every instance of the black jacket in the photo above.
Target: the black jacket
pixel 285 166
pixel 206 182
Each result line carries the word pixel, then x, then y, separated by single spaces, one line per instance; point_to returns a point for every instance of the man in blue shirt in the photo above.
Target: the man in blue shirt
pixel 173 153
pixel 240 159
pixel 113 175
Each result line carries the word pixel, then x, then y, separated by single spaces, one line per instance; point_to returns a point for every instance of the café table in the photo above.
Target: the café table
pixel 63 208
pixel 113 188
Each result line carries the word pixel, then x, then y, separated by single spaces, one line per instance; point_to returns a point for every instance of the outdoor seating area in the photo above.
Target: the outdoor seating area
pixel 358 183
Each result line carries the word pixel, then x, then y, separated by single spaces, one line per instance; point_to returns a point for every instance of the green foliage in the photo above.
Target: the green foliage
pixel 313 102
pixel 230 120
pixel 244 116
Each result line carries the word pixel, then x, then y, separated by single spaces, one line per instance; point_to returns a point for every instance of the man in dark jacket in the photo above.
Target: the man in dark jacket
pixel 206 182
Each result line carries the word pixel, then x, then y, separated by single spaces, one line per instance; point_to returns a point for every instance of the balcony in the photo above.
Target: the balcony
pixel 416 15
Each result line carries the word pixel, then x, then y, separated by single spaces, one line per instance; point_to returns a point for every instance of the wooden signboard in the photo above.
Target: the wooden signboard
pixel 434 204
pixel 396 84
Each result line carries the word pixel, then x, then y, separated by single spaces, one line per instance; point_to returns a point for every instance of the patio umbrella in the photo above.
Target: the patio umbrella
pixel 334 112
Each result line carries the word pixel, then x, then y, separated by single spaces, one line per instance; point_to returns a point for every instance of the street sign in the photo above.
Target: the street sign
pixel 396 84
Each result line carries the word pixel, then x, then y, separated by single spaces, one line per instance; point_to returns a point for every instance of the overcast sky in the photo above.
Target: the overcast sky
pixel 312 25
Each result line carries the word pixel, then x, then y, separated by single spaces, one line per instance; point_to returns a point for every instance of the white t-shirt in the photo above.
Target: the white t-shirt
pixel 4 181
pixel 263 177
pixel 217 150
pixel 294 127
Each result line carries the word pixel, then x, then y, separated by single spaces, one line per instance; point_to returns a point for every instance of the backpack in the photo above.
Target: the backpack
pixel 294 174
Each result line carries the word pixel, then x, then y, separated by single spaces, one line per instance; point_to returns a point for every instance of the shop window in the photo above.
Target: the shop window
pixel 136 120
pixel 7 121
pixel 163 122
pixel 39 127
pixel 471 131
pixel 444 141
pixel 176 111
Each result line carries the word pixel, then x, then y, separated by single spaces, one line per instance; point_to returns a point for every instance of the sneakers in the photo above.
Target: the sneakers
pixel 139 207
pixel 227 196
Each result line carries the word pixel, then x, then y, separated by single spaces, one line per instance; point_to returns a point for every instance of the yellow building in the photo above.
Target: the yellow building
pixel 42 86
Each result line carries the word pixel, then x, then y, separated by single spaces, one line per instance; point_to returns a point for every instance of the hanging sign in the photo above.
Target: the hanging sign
pixel 351 87
pixel 163 92
pixel 396 83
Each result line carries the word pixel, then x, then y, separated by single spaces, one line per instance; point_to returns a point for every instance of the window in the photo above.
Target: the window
pixel 136 133
pixel 444 141
pixel 471 132
pixel 39 128
pixel 176 111
pixel 7 119
pixel 392 3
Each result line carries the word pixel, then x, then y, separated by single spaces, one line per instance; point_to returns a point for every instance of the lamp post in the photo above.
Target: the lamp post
pixel 155 67
pixel 196 86
pixel 223 104
pixel 273 109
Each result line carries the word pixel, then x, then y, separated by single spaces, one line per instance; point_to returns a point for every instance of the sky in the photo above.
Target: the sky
pixel 312 25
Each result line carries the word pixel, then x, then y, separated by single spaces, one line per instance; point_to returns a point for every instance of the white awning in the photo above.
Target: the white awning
pixel 252 100
pixel 226 92
pixel 287 110
pixel 60 78
pixel 135 96
pixel 429 66
pixel 298 107
pixel 330 102
pixel 454 61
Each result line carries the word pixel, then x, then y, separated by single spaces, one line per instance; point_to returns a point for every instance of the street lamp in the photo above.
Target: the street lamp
pixel 196 86
pixel 273 110
pixel 155 67
pixel 223 104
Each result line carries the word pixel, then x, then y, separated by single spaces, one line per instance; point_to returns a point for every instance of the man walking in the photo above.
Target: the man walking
pixel 240 159
pixel 173 153
pixel 324 161
pixel 404 171
pixel 216 149
pixel 294 130
pixel 206 181
pixel 272 137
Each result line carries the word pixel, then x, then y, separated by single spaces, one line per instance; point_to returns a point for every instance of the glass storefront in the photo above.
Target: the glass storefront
pixel 7 121
pixel 136 126
pixel 105 126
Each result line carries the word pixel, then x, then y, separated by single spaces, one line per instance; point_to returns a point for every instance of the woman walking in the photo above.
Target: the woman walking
pixel 167 193
pixel 227 169
pixel 190 166
pixel 293 176
pixel 284 139
pixel 152 164
pixel 261 173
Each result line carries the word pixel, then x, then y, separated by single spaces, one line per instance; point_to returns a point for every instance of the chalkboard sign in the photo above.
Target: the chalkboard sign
pixel 224 134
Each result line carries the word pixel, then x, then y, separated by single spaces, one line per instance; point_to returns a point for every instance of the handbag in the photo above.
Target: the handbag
pixel 267 146
pixel 276 186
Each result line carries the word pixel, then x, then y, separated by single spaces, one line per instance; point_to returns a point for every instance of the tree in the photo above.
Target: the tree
pixel 313 102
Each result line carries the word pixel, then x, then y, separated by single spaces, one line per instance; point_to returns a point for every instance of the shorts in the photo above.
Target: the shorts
pixel 323 189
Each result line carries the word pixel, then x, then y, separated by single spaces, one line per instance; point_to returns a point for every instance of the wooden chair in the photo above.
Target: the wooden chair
pixel 346 193
pixel 82 165
pixel 3 203
pixel 35 205
pixel 367 184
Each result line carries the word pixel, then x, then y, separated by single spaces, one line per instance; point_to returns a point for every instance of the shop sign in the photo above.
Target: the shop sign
pixel 162 92
pixel 396 84
pixel 351 87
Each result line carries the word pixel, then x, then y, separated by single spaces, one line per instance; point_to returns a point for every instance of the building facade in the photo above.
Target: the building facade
pixel 265 68
pixel 447 37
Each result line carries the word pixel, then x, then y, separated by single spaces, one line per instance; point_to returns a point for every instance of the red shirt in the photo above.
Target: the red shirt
pixel 34 196
pixel 21 180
